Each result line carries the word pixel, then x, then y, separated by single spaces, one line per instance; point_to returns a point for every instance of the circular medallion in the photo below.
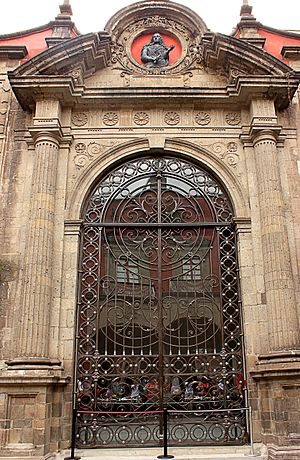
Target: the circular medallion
pixel 79 119
pixel 143 44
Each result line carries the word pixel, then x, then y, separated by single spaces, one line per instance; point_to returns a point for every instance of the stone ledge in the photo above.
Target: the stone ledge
pixel 284 452
pixel 280 365
pixel 33 377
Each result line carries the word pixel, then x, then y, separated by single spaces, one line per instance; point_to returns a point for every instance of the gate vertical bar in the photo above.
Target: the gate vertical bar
pixel 160 311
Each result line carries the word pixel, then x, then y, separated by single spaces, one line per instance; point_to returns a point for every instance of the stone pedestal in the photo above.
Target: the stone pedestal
pixel 31 406
pixel 278 378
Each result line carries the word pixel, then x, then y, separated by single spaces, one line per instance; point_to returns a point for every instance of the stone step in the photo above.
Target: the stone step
pixel 180 453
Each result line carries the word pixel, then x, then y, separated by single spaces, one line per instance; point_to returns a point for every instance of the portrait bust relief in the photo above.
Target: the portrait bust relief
pixel 156 53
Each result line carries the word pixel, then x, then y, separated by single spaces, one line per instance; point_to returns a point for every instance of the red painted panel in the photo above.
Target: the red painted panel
pixel 138 44
pixel 275 42
pixel 35 42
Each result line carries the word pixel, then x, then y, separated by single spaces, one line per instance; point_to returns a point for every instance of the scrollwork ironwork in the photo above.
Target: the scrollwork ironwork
pixel 159 312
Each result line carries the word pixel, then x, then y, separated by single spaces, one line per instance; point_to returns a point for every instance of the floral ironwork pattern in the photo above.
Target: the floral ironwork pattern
pixel 159 312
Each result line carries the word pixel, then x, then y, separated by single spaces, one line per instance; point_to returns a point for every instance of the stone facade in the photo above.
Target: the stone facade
pixel 66 117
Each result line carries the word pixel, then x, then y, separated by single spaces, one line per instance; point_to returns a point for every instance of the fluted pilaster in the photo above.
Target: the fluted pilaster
pixel 33 337
pixel 280 289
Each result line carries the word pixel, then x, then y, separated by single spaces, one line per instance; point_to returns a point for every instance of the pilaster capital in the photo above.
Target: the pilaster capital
pixel 242 224
pixel 52 134
pixel 262 134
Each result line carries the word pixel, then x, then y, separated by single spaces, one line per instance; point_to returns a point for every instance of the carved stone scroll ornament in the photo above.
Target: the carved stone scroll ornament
pixel 191 50
pixel 156 53
pixel 86 153
pixel 227 152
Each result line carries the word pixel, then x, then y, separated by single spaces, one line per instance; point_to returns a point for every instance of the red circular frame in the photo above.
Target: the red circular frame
pixel 140 41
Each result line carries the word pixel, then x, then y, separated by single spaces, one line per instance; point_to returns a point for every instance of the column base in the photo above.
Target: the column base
pixel 33 362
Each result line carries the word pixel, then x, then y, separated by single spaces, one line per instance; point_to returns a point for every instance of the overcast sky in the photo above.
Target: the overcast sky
pixel 92 15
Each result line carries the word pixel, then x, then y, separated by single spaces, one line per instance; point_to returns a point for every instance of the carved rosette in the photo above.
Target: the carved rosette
pixel 233 118
pixel 203 118
pixel 172 118
pixel 141 118
pixel 110 118
pixel 79 118
pixel 191 49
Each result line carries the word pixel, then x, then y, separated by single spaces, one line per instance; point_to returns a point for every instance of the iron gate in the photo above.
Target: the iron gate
pixel 159 313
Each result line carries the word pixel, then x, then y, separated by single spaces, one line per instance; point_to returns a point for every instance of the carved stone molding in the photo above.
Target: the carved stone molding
pixel 79 118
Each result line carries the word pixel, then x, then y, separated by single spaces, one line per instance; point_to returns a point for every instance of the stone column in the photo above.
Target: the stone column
pixel 33 334
pixel 280 289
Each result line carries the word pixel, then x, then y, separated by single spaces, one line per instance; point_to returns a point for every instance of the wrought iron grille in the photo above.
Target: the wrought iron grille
pixel 159 313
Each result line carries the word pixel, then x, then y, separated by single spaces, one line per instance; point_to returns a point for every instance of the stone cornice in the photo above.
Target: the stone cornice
pixel 28 89
pixel 13 51
pixel 231 52
pixel 281 365
pixel 90 52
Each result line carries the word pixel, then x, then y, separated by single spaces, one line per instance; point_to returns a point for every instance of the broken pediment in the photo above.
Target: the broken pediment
pixel 154 45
